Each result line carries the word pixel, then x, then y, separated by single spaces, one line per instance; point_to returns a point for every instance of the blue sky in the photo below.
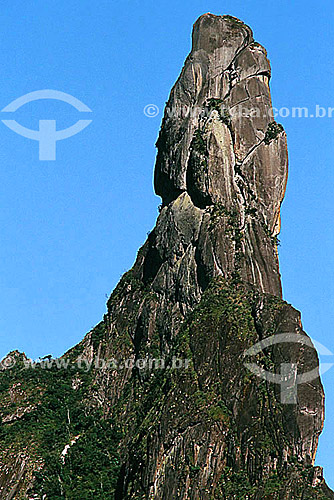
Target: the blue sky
pixel 70 228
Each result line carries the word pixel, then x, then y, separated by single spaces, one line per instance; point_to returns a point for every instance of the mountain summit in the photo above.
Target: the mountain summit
pixel 161 399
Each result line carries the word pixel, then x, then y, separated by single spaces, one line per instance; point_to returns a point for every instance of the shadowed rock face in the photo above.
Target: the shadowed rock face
pixel 205 287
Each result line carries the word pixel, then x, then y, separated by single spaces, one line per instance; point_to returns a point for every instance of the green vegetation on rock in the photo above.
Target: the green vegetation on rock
pixel 273 131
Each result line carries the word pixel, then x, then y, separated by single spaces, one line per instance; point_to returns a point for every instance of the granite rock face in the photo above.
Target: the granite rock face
pixel 205 288
pixel 215 146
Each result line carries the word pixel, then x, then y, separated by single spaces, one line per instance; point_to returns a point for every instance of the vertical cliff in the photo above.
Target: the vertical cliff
pixel 204 289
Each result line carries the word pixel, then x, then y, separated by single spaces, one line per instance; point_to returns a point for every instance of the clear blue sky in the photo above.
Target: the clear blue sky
pixel 70 228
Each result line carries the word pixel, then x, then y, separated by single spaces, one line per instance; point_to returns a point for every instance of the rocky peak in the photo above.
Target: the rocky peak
pixel 225 33
pixel 220 148
pixel 204 289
